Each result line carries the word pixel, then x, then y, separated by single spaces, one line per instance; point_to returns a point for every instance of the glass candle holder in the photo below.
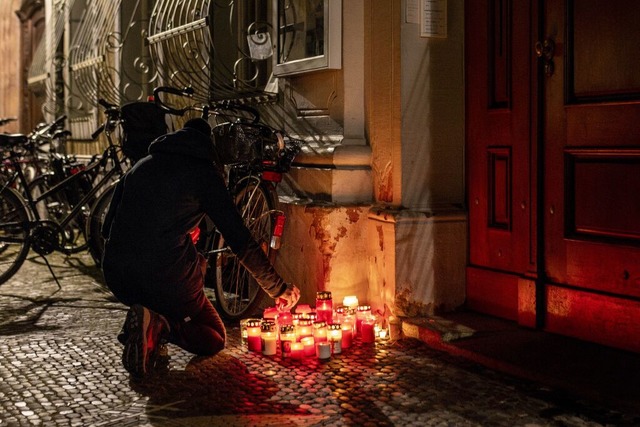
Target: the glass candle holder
pixel 350 301
pixel 324 306
pixel 323 350
pixel 284 318
pixel 297 350
pixel 303 309
pixel 363 311
pixel 347 335
pixel 335 337
pixel 304 329
pixel 287 338
pixel 367 329
pixel 320 331
pixel 254 332
pixel 268 339
pixel 309 346
pixel 243 330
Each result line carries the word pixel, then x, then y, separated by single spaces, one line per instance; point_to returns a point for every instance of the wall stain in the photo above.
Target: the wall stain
pixel 409 307
pixel 380 237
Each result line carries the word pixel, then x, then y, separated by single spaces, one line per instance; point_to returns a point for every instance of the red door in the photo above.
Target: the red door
pixel 553 143
pixel 592 171
pixel 501 157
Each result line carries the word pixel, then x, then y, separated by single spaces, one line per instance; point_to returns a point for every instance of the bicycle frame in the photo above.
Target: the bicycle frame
pixel 110 154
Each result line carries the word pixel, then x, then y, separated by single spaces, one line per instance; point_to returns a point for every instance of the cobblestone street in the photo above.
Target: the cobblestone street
pixel 60 365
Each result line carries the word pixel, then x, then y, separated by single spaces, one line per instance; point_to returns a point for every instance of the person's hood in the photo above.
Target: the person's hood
pixel 188 142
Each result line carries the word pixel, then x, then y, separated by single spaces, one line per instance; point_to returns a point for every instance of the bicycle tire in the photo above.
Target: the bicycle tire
pixel 237 293
pixel 93 229
pixel 55 208
pixel 14 233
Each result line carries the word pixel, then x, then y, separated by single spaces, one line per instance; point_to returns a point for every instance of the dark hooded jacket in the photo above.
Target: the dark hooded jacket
pixel 154 207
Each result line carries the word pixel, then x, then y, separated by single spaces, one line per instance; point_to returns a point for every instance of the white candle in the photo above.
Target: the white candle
pixel 323 350
pixel 350 301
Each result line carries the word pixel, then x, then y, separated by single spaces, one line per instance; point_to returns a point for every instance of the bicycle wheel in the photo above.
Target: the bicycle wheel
pixel 56 207
pixel 14 233
pixel 237 293
pixel 93 228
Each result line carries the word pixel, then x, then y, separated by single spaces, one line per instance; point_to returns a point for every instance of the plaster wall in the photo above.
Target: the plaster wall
pixel 324 247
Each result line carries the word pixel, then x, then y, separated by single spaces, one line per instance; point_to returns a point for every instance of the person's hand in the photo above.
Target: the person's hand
pixel 289 298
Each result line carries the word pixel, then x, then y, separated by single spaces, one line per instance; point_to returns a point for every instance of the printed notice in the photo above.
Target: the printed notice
pixel 412 12
pixel 433 18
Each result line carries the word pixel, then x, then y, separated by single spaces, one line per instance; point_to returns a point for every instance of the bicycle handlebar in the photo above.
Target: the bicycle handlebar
pixel 206 109
pixel 186 92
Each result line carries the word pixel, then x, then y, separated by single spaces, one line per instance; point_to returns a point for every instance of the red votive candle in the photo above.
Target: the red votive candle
pixel 347 336
pixel 309 346
pixel 363 312
pixel 367 330
pixel 297 350
pixel 324 306
pixel 254 335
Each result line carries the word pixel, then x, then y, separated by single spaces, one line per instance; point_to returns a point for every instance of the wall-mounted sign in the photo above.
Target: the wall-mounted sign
pixel 433 18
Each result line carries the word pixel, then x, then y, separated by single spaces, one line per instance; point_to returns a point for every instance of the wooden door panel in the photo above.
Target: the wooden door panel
pixel 501 199
pixel 592 146
pixel 498 137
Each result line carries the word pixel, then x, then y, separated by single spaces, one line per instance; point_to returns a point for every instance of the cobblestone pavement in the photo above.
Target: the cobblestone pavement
pixel 60 365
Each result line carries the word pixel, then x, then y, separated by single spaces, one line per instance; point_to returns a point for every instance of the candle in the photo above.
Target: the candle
pixel 349 318
pixel 319 331
pixel 323 350
pixel 254 331
pixel 309 348
pixel 243 330
pixel 285 318
pixel 303 309
pixel 297 350
pixel 270 313
pixel 269 339
pixel 363 311
pixel 335 338
pixel 304 329
pixel 324 306
pixel 347 336
pixel 287 338
pixel 350 301
pixel 367 329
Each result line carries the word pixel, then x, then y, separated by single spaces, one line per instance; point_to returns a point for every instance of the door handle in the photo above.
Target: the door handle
pixel 545 50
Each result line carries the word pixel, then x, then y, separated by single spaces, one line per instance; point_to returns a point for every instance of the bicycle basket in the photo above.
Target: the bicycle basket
pixel 245 143
pixel 142 123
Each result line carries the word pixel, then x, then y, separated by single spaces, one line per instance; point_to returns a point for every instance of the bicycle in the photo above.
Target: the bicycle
pixel 255 158
pixel 22 225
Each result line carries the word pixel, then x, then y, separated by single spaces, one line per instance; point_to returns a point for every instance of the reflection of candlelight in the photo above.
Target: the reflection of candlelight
pixel 309 348
pixel 297 350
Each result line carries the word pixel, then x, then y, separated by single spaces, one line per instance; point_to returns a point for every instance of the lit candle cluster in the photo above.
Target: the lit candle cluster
pixel 319 331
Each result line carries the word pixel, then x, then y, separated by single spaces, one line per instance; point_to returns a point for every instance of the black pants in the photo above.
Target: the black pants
pixel 195 324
